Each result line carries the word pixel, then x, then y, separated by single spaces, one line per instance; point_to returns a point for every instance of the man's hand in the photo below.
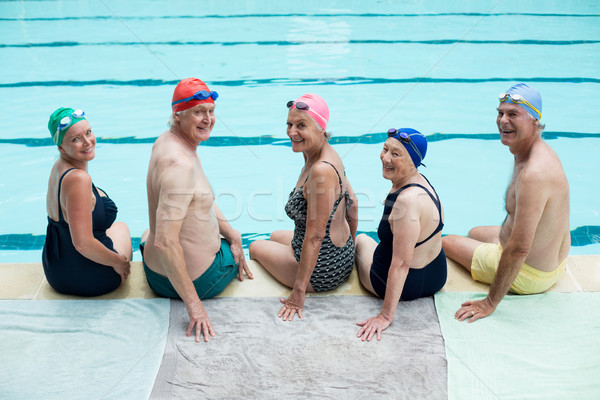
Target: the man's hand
pixel 238 255
pixel 474 309
pixel 199 318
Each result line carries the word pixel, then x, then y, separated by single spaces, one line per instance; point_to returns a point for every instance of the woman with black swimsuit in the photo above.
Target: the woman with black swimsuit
pixel 85 253
pixel 409 261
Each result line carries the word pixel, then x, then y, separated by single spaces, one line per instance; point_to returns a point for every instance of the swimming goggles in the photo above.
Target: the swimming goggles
pixel 66 121
pixel 200 95
pixel 302 106
pixel 405 137
pixel 517 99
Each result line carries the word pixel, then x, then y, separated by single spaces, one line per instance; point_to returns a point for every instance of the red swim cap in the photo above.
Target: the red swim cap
pixel 189 93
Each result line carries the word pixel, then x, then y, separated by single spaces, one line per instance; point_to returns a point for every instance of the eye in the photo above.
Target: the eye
pixel 395 154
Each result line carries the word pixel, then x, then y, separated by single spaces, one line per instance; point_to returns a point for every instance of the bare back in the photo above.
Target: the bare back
pixel 339 229
pixel 180 206
pixel 539 187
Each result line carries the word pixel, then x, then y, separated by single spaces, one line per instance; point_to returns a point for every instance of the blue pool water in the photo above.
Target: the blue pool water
pixel 434 66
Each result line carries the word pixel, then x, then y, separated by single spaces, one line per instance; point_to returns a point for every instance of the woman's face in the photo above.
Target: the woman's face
pixel 79 142
pixel 304 133
pixel 395 160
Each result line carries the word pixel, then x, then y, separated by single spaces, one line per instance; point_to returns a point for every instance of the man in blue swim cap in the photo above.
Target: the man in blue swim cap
pixel 527 254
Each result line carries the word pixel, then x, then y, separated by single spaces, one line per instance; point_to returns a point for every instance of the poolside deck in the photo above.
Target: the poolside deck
pixel 27 282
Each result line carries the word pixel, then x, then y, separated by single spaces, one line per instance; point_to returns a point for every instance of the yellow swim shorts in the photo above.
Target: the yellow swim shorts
pixel 529 281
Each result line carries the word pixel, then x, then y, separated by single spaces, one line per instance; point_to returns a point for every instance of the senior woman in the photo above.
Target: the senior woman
pixel 409 261
pixel 86 253
pixel 319 254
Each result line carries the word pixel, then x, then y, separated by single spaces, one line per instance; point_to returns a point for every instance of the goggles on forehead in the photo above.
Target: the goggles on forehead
pixel 66 121
pixel 200 95
pixel 405 137
pixel 517 99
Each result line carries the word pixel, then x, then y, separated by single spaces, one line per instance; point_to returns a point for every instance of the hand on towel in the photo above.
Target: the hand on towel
pixel 199 318
pixel 373 325
pixel 474 310
pixel 292 305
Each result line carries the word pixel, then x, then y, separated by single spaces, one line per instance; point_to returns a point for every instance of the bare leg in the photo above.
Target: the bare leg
pixel 278 259
pixel 283 237
pixel 145 235
pixel 365 247
pixel 460 249
pixel 119 234
pixel 486 234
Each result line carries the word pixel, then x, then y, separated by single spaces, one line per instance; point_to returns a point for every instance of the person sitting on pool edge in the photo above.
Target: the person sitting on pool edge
pixel 527 254
pixel 183 251
pixel 86 253
pixel 319 254
pixel 409 262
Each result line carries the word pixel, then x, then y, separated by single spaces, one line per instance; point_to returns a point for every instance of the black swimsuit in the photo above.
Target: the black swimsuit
pixel 67 270
pixel 420 282
pixel 334 264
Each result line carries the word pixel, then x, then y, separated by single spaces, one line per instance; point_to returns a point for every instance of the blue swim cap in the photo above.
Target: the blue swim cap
pixel 417 141
pixel 530 95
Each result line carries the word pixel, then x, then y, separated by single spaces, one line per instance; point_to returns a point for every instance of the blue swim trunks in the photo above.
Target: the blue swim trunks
pixel 212 282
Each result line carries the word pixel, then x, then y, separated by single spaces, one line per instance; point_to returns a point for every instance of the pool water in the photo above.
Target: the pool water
pixel 435 67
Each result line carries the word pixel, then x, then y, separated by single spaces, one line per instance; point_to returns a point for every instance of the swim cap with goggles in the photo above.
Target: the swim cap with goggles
pixel 313 105
pixel 524 96
pixel 414 142
pixel 61 120
pixel 190 92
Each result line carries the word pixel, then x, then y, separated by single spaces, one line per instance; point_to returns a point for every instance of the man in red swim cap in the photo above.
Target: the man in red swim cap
pixel 184 254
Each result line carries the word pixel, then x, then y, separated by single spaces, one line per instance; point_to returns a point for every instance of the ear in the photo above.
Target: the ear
pixel 61 150
pixel 176 116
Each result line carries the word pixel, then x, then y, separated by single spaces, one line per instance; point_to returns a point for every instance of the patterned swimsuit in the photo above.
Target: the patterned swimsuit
pixel 334 264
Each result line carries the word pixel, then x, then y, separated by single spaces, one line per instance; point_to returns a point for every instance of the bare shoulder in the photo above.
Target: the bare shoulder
pixel 77 177
pixel 171 161
pixel 322 172
pixel 543 168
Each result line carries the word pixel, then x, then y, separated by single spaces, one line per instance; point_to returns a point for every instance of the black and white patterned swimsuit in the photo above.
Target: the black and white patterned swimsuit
pixel 334 264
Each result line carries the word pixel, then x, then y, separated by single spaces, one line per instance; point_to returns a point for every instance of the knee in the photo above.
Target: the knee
pixel 253 248
pixel 448 242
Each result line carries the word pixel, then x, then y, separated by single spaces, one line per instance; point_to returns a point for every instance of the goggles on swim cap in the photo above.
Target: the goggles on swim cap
pixel 200 95
pixel 65 122
pixel 302 106
pixel 405 137
pixel 517 99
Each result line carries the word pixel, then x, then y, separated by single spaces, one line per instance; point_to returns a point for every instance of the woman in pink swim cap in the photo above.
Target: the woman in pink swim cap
pixel 319 254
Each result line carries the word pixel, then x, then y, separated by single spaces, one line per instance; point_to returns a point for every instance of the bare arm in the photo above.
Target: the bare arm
pixel 352 212
pixel 531 196
pixel 76 201
pixel 176 188
pixel 320 197
pixel 405 225
pixel 234 238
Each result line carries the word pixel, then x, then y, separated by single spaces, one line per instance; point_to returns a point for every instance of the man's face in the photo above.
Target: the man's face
pixel 514 124
pixel 197 122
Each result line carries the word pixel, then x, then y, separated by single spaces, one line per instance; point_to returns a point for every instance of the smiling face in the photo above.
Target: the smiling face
pixel 515 125
pixel 304 133
pixel 396 161
pixel 79 143
pixel 197 122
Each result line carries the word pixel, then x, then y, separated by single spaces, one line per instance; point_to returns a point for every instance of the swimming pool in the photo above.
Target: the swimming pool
pixel 435 67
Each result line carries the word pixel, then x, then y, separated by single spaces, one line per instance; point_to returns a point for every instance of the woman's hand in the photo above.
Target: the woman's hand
pixel 123 268
pixel 373 325
pixel 292 305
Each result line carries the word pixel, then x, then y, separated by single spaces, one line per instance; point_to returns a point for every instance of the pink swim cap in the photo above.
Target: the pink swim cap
pixel 317 108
